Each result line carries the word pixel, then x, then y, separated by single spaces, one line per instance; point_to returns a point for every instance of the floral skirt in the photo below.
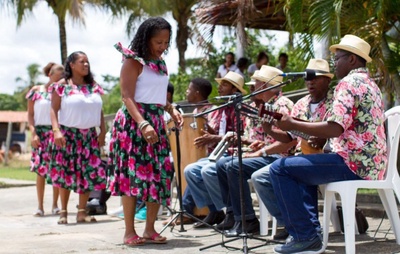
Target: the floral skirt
pixel 77 166
pixel 41 156
pixel 136 168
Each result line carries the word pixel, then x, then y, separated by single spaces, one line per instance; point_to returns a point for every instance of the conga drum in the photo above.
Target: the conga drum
pixel 191 129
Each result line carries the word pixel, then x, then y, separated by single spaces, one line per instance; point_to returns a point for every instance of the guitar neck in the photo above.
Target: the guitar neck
pixel 263 111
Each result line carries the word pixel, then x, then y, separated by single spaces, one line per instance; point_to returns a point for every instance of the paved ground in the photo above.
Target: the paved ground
pixel 20 232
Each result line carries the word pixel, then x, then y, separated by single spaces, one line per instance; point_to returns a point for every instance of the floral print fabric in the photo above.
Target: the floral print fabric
pixel 302 110
pixel 77 166
pixel 41 156
pixel 71 89
pixel 35 94
pixel 137 168
pixel 358 108
pixel 156 65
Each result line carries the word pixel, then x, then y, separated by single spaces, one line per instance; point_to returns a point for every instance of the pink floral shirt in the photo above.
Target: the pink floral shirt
pixel 358 108
pixel 302 110
pixel 282 105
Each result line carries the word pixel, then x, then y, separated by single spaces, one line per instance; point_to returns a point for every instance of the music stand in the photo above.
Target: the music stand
pixel 237 102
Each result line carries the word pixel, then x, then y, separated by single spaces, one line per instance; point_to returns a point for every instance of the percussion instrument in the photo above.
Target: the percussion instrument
pixel 191 129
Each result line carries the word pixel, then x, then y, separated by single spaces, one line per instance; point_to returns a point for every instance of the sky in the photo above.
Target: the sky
pixel 37 41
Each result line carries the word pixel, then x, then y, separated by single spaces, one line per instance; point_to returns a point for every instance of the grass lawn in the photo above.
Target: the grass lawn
pixel 17 169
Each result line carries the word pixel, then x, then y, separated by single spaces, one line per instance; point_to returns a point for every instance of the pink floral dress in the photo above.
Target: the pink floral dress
pixel 78 166
pixel 137 168
pixel 40 159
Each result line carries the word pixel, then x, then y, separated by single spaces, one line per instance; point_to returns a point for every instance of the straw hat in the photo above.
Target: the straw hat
pixel 268 74
pixel 235 79
pixel 253 81
pixel 320 66
pixel 354 45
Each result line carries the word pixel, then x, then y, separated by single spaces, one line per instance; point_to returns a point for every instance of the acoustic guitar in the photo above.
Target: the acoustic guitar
pixel 306 148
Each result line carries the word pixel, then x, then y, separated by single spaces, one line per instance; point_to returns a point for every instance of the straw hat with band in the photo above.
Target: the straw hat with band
pixel 235 79
pixel 320 66
pixel 268 74
pixel 355 45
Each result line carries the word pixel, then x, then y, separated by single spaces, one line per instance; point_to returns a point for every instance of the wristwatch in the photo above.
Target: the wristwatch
pixel 264 153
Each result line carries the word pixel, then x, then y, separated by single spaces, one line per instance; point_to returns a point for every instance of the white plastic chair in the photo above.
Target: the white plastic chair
pixel 348 189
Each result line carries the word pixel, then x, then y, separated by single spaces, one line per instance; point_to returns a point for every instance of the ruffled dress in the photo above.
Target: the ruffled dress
pixel 41 156
pixel 77 166
pixel 136 168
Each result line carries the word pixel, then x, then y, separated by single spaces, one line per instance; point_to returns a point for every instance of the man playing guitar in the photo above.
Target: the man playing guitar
pixel 311 108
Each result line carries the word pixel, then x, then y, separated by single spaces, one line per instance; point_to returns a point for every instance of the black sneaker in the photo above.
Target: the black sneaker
pixel 303 247
pixel 281 235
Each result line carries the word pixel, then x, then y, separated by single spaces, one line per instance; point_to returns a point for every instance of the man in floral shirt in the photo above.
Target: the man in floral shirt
pixel 269 151
pixel 313 108
pixel 356 125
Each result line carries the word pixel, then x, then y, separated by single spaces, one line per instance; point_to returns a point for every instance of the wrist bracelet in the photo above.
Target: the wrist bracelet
pixel 143 124
pixel 264 153
pixel 56 129
pixel 169 108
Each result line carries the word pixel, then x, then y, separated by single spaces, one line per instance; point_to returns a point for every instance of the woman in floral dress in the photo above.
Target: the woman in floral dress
pixel 140 167
pixel 39 104
pixel 75 114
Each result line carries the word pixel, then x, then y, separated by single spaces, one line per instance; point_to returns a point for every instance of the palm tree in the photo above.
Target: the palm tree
pixel 376 21
pixel 182 12
pixel 75 9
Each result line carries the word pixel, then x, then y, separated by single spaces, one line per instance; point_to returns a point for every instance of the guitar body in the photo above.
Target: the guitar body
pixel 307 149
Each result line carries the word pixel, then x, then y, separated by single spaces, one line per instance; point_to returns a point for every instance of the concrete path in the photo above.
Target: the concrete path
pixel 20 232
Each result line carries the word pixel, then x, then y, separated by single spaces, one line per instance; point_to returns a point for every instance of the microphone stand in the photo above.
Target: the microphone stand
pixel 237 102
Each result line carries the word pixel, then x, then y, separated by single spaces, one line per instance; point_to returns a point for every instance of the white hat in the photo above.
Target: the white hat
pixel 235 79
pixel 268 74
pixel 320 66
pixel 355 45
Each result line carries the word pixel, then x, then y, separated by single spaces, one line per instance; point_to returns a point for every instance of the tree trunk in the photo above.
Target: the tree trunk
pixel 182 36
pixel 63 38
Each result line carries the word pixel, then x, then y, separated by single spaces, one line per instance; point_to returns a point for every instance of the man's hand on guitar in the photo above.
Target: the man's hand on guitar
pixel 285 123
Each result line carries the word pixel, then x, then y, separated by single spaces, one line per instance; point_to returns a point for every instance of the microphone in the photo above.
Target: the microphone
pixel 307 75
pixel 227 97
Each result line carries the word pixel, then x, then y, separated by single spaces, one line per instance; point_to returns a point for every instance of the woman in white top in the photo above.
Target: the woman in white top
pixel 228 65
pixel 139 162
pixel 39 104
pixel 75 114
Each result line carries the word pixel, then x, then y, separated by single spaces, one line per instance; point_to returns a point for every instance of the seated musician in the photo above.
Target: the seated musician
pixel 265 151
pixel 196 94
pixel 312 108
pixel 355 122
pixel 220 122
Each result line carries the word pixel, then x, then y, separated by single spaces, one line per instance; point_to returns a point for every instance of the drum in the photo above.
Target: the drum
pixel 191 129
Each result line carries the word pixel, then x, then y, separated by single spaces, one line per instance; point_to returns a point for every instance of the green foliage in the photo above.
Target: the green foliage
pixel 8 102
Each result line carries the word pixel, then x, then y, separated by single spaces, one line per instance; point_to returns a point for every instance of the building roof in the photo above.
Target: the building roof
pixel 266 16
pixel 13 116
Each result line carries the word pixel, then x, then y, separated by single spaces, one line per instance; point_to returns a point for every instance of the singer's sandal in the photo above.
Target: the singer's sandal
pixel 134 241
pixel 86 219
pixel 156 238
pixel 63 217
pixel 39 213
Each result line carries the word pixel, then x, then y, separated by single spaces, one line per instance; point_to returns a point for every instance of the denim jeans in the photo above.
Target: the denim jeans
pixel 262 183
pixel 202 195
pixel 287 177
pixel 188 203
pixel 228 176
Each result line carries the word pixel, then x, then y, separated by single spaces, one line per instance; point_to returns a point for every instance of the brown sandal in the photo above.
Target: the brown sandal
pixel 87 219
pixel 63 217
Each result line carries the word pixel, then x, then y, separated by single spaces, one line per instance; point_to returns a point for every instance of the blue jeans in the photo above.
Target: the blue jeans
pixel 228 176
pixel 287 177
pixel 194 178
pixel 262 183
pixel 188 203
